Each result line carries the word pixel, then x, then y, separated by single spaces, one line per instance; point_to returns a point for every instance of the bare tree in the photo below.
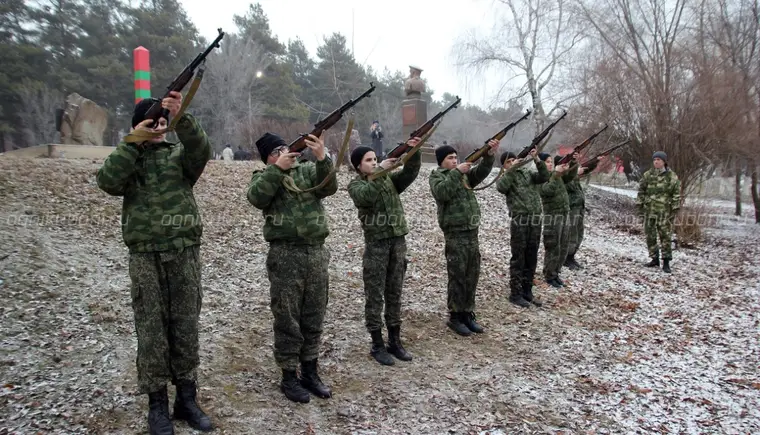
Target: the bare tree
pixel 533 39
pixel 38 116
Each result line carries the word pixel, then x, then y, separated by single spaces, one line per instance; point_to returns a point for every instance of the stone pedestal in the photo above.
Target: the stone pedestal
pixel 413 115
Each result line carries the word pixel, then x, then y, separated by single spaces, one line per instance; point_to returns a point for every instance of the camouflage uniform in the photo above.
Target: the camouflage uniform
pixel 577 215
pixel 297 264
pixel 658 202
pixel 524 203
pixel 555 229
pixel 459 219
pixel 162 229
pixel 383 221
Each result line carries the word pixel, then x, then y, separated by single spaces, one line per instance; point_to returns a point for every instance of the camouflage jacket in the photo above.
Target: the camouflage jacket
pixel 575 194
pixel 519 186
pixel 159 212
pixel 554 195
pixel 458 208
pixel 659 193
pixel 297 218
pixel 381 212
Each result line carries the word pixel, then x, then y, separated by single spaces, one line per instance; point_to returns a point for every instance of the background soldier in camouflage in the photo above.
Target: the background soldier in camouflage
pixel 524 203
pixel 658 202
pixel 162 229
pixel 297 264
pixel 577 199
pixel 556 207
pixel 384 263
pixel 459 218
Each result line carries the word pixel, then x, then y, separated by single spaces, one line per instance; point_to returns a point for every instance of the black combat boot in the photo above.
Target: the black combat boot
pixel 159 421
pixel 378 350
pixel 395 347
pixel 559 280
pixel 457 325
pixel 666 265
pixel 186 408
pixel 571 264
pixel 311 381
pixel 471 324
pixel 554 282
pixel 292 388
pixel 528 296
pixel 654 263
pixel 517 298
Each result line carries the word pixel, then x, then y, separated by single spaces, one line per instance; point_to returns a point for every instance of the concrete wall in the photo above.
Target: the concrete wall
pixel 61 151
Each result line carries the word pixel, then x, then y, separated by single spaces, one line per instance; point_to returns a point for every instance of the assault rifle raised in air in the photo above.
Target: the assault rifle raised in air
pixel 480 152
pixel 421 131
pixel 569 156
pixel 538 139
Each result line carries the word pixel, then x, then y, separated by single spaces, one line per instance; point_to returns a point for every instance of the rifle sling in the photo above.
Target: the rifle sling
pixel 405 158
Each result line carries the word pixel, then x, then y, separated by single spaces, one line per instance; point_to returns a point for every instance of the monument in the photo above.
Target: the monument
pixel 81 122
pixel 414 110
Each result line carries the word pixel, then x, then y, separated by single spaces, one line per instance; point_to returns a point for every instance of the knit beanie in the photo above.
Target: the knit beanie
pixel 141 109
pixel 443 151
pixel 358 154
pixel 506 155
pixel 660 155
pixel 267 143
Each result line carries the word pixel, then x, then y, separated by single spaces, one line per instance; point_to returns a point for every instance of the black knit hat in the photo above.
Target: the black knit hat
pixel 506 155
pixel 141 109
pixel 543 156
pixel 557 159
pixel 268 143
pixel 358 154
pixel 442 151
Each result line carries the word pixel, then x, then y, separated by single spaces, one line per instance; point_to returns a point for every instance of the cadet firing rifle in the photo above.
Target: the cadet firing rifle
pixel 587 164
pixel 479 153
pixel 420 132
pixel 569 156
pixel 299 144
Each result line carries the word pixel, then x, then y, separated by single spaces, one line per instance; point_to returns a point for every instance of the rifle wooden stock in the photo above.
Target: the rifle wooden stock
pixel 568 157
pixel 421 131
pixel 480 152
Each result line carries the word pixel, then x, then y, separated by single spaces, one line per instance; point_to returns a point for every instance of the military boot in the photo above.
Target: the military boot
pixel 311 381
pixel 571 264
pixel 394 344
pixel 554 282
pixel 528 296
pixel 471 324
pixel 292 388
pixel 378 350
pixel 159 421
pixel 654 263
pixel 666 265
pixel 457 325
pixel 186 408
pixel 517 298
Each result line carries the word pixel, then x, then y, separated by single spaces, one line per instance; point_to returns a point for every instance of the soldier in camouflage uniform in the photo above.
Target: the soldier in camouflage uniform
pixel 520 186
pixel 556 208
pixel 577 198
pixel 162 228
pixel 658 202
pixel 384 263
pixel 459 219
pixel 297 264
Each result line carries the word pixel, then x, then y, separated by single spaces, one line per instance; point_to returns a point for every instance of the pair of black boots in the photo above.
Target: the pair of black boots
pixel 526 297
pixel 464 324
pixel 297 390
pixel 381 353
pixel 185 408
pixel 656 263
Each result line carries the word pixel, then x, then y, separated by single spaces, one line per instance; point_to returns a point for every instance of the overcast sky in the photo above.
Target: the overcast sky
pixel 386 33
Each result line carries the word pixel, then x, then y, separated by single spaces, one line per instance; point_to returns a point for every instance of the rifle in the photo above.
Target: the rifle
pixel 541 136
pixel 155 111
pixel 421 131
pixel 604 153
pixel 569 156
pixel 299 144
pixel 480 152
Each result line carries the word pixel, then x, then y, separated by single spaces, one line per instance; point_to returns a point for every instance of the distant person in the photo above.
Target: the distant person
pixel 376 132
pixel 227 154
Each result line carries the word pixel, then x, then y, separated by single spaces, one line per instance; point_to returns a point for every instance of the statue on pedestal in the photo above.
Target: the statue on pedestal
pixel 414 86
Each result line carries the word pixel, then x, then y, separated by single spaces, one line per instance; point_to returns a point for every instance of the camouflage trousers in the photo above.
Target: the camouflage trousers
pixel 298 289
pixel 525 236
pixel 383 269
pixel 659 226
pixel 166 300
pixel 463 267
pixel 555 244
pixel 575 229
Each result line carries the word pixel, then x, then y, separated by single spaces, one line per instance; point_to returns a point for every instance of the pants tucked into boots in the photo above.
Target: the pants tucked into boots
pixel 463 267
pixel 575 229
pixel 525 235
pixel 659 226
pixel 166 299
pixel 383 267
pixel 555 244
pixel 299 281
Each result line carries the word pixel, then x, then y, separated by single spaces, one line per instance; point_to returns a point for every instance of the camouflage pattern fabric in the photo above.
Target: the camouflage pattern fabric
pixel 380 210
pixel 290 216
pixel 299 283
pixel 575 195
pixel 463 267
pixel 383 269
pixel 519 187
pixel 525 236
pixel 159 212
pixel 458 208
pixel 554 196
pixel 166 300
pixel 575 229
pixel 658 201
pixel 555 244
